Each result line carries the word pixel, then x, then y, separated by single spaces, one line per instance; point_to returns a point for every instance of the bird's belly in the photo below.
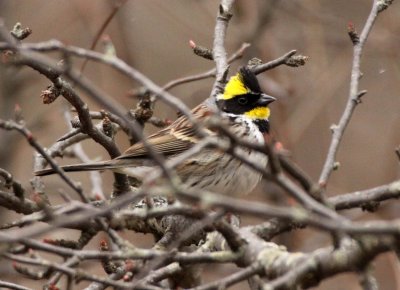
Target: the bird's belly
pixel 231 176
pixel 212 171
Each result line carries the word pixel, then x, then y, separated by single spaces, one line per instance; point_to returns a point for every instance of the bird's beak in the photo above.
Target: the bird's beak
pixel 265 99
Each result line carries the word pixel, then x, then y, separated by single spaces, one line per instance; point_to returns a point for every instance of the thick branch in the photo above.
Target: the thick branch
pixel 219 53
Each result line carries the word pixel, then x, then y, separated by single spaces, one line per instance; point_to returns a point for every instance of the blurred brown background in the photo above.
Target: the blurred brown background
pixel 153 36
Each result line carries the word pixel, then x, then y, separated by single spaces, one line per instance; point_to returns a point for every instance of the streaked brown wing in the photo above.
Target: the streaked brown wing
pixel 174 139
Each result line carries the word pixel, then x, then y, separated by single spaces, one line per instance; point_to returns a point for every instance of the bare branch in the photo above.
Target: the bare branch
pixel 9 285
pixel 11 125
pixel 211 73
pixel 353 99
pixel 219 53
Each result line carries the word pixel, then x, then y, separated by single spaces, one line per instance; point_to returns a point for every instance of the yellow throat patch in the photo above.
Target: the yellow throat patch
pixel 258 113
pixel 233 88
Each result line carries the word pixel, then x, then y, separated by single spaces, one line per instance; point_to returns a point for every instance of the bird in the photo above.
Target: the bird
pixel 242 106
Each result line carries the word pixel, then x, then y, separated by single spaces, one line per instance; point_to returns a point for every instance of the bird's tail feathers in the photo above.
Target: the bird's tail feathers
pixel 81 167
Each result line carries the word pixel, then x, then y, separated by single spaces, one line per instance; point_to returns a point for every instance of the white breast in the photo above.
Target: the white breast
pixel 246 178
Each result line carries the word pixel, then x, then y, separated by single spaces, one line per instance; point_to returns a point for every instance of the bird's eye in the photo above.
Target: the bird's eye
pixel 242 101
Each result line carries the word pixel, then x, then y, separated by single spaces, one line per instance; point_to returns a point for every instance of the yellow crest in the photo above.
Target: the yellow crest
pixel 233 88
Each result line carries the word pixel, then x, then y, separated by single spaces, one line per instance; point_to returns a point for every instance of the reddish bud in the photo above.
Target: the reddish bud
pixel 192 44
pixel 49 241
pixel 109 48
pixel 350 26
pixel 53 287
pixel 105 38
pixel 128 277
pixel 18 113
pixel 103 245
pixel 17 108
pixel 29 136
pixel 50 94
pixel 351 30
pixel 279 146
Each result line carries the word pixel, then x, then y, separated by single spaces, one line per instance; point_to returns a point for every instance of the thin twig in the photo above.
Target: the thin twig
pixel 10 285
pixel 353 99
pixel 364 197
pixel 11 125
pixel 208 74
pixel 274 63
pixel 117 5
pixel 232 279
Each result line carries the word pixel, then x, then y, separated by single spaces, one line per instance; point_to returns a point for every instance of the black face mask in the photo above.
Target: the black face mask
pixel 241 104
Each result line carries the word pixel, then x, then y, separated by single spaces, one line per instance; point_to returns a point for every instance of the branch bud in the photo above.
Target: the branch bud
pixel 383 4
pixel 297 60
pixel 18 113
pixel 103 245
pixel 201 51
pixel 109 48
pixel 254 62
pixel 336 165
pixel 351 30
pixel 20 33
pixel 50 94
pixel 107 126
pixel 333 128
pixel 75 122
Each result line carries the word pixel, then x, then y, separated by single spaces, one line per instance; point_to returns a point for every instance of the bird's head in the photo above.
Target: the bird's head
pixel 243 96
